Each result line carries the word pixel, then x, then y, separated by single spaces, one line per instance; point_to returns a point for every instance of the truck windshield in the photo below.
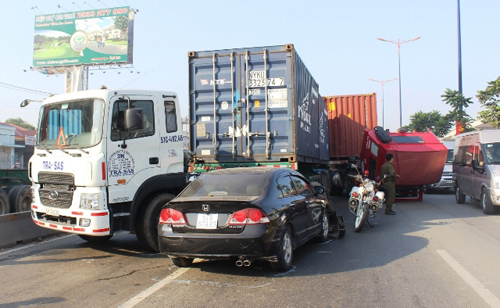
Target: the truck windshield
pixel 71 124
pixel 492 153
pixel 449 158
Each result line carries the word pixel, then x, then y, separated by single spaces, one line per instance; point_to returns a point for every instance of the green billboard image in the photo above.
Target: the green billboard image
pixel 92 37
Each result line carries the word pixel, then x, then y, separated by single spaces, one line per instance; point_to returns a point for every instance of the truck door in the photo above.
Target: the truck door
pixel 132 155
pixel 171 137
pixel 477 177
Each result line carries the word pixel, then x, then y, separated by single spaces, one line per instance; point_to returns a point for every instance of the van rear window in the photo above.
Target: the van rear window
pixel 407 139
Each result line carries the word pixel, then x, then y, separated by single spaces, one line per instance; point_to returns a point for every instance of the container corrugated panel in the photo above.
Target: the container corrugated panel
pixel 255 104
pixel 348 116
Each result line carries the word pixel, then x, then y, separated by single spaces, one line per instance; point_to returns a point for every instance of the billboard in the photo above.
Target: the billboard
pixel 92 37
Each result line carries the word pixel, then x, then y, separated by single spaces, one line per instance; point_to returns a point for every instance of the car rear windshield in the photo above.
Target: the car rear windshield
pixel 235 184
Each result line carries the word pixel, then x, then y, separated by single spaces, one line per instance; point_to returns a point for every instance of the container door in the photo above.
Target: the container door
pixel 267 109
pixel 241 106
pixel 132 155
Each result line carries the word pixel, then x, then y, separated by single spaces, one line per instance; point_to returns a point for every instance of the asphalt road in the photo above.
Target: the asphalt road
pixel 433 253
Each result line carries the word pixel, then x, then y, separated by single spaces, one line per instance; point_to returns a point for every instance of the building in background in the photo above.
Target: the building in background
pixel 16 143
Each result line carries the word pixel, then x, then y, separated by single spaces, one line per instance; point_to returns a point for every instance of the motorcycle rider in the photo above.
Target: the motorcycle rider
pixel 389 183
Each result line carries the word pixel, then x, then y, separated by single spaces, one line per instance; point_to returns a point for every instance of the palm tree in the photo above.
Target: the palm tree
pixel 458 102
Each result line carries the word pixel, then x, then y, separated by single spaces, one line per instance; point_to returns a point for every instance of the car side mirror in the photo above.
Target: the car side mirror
pixel 319 190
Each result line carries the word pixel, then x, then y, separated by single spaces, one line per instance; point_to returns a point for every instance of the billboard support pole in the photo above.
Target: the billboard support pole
pixel 75 79
pixel 86 78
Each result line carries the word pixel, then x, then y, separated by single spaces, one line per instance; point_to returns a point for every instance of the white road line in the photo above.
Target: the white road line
pixel 481 289
pixel 144 294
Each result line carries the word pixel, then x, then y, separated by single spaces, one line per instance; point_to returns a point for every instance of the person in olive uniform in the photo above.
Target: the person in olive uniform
pixel 389 183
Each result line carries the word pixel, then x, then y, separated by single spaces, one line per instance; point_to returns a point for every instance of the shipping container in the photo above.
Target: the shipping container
pixel 256 104
pixel 348 116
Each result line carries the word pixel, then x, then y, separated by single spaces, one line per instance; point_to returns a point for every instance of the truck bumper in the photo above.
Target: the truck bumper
pixel 95 223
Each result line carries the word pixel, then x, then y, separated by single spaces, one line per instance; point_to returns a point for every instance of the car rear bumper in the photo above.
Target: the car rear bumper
pixel 255 242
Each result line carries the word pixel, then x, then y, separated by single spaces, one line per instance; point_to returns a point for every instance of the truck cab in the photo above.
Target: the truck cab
pixel 107 160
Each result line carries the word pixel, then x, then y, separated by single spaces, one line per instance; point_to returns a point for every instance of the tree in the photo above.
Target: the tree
pixel 439 124
pixel 489 99
pixel 121 22
pixel 458 102
pixel 20 122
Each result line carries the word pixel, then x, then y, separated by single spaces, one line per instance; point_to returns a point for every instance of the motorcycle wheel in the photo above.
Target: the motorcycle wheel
pixel 361 217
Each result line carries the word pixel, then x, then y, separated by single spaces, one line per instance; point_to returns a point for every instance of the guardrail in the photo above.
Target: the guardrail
pixel 19 228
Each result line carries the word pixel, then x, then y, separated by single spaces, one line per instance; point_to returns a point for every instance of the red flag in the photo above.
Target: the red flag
pixel 460 127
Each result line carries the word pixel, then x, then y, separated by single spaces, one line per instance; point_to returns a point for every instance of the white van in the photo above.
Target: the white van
pixel 446 182
pixel 476 168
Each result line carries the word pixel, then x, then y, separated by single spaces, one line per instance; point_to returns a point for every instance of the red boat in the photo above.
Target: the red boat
pixel 419 158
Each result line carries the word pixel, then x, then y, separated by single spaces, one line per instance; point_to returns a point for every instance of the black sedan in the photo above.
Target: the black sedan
pixel 244 213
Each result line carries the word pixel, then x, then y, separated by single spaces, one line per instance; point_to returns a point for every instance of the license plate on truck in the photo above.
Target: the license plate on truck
pixel 207 221
pixel 52 212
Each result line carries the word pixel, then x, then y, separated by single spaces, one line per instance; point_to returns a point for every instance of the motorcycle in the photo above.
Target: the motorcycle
pixel 365 198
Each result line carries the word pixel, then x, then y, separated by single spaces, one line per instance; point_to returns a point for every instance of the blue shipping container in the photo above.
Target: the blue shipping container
pixel 257 104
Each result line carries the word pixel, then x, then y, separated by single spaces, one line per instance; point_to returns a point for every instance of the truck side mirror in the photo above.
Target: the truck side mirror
pixel 476 166
pixel 134 118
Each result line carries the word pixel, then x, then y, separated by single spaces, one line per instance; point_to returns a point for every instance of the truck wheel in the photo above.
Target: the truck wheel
pixel 20 199
pixel 147 222
pixel 4 203
pixel 459 197
pixel 95 239
pixel 488 207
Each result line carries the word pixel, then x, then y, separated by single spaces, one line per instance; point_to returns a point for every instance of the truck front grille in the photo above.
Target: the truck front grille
pixel 56 178
pixel 56 189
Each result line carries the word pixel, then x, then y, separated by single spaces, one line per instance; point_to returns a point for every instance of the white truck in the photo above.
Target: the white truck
pixel 107 160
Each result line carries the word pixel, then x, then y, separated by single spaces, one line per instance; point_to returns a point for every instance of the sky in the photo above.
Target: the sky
pixel 336 39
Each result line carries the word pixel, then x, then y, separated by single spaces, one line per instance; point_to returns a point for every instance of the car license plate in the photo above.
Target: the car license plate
pixel 52 212
pixel 207 221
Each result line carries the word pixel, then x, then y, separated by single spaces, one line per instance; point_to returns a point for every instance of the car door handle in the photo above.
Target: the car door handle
pixel 153 160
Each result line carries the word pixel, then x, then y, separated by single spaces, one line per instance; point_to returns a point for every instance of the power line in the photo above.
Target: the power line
pixel 17 88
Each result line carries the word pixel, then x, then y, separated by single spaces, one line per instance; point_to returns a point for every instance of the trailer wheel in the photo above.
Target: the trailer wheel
pixel 20 199
pixel 147 222
pixel 4 203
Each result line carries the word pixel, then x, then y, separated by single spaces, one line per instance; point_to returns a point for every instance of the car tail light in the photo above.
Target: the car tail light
pixel 355 194
pixel 248 216
pixel 173 217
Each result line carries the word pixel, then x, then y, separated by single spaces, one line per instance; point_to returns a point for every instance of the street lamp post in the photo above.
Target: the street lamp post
pixel 383 108
pixel 399 43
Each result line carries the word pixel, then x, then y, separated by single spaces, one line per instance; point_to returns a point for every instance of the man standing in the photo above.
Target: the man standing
pixel 389 183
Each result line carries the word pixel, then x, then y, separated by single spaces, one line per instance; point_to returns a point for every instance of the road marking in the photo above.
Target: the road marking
pixel 480 289
pixel 144 294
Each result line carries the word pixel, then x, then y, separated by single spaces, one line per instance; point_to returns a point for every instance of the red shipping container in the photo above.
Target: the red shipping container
pixel 348 116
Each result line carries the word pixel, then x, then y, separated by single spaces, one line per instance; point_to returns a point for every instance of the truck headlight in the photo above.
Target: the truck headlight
pixel 89 201
pixel 496 179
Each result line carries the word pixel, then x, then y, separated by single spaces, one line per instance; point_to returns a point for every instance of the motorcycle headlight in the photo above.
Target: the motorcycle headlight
pixel 369 186
pixel 89 201
pixel 496 180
